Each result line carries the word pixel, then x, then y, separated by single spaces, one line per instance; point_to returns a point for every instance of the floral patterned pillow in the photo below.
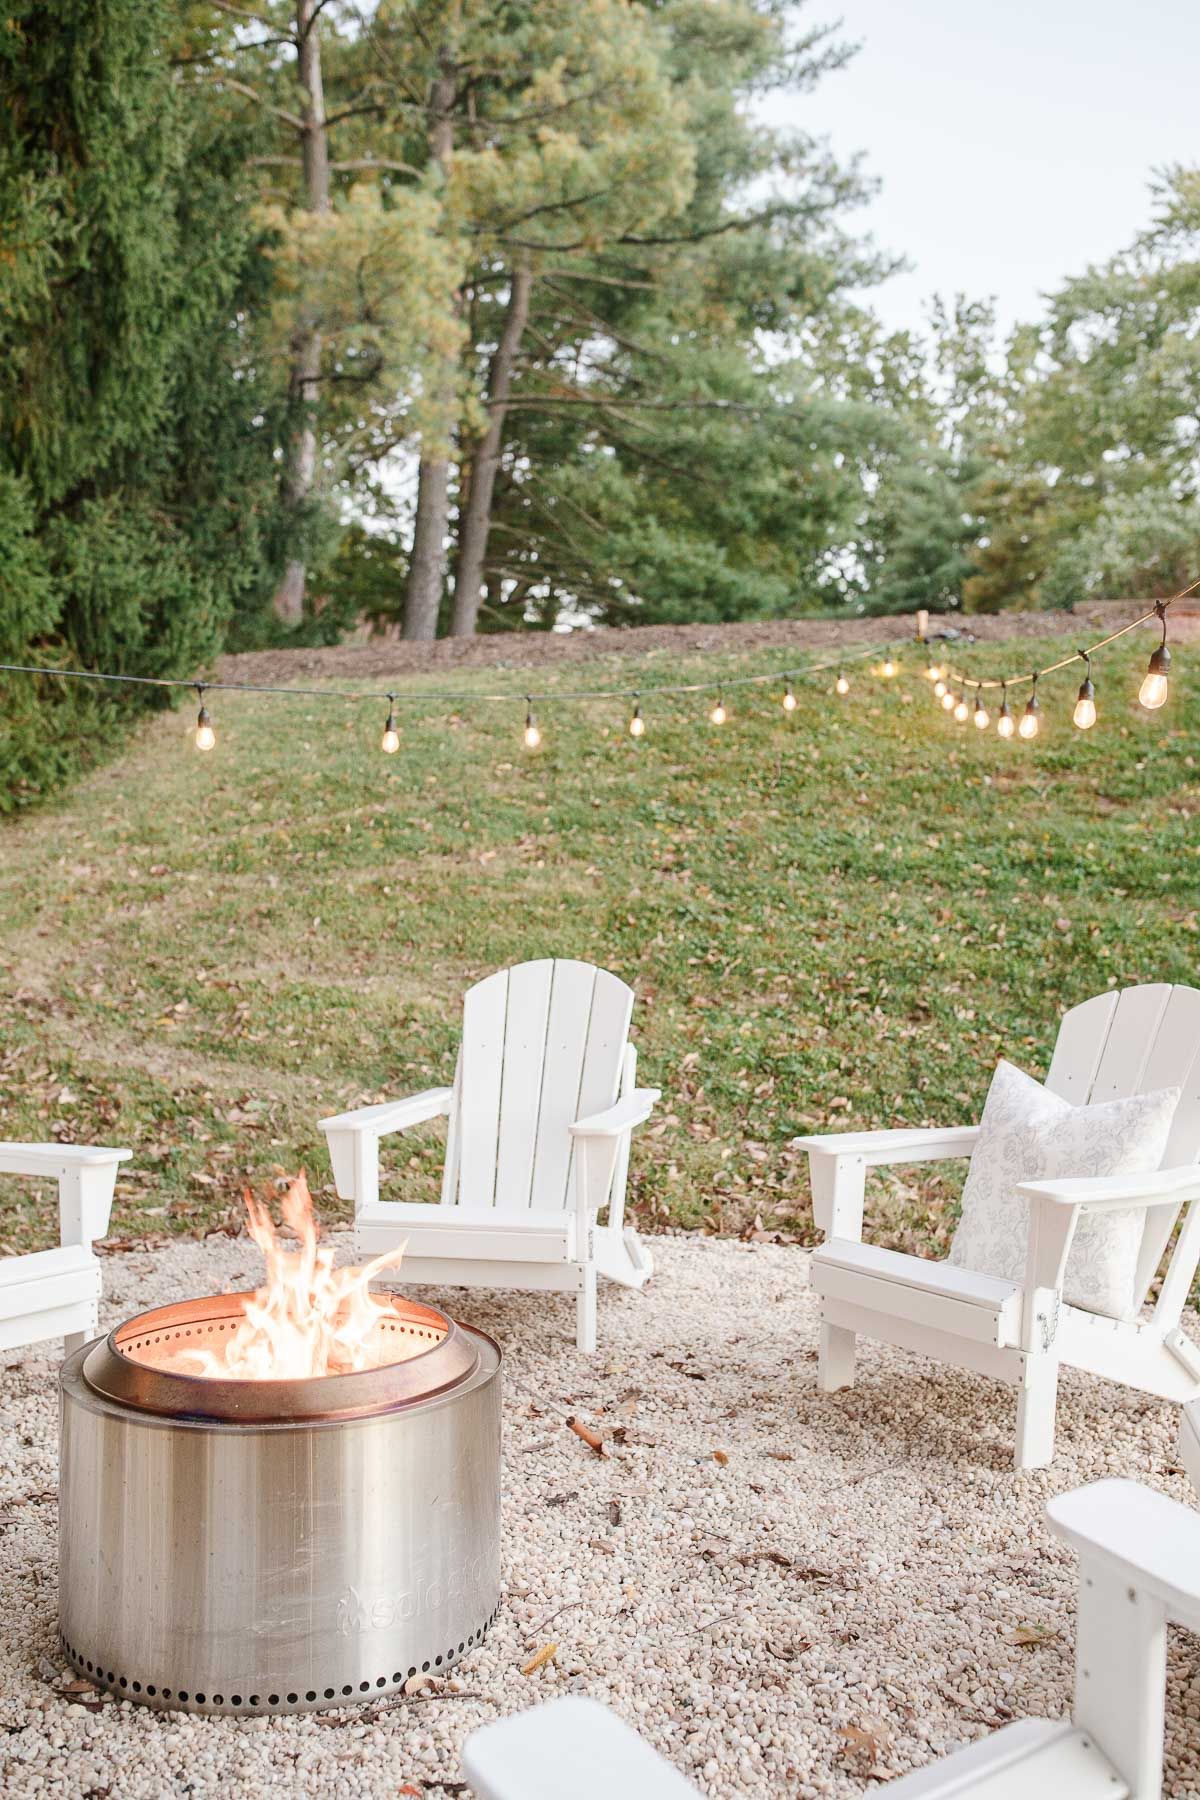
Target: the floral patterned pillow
pixel 1029 1134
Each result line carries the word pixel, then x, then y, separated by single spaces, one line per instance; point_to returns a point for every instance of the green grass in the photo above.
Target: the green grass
pixel 834 919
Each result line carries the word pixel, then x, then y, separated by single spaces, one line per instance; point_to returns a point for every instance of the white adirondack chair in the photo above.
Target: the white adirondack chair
pixel 541 1112
pixel 56 1293
pixel 573 1747
pixel 1139 1568
pixel 1119 1043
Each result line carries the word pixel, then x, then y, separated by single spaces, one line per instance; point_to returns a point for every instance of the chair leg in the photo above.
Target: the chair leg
pixel 75 1340
pixel 835 1358
pixel 1037 1400
pixel 585 1310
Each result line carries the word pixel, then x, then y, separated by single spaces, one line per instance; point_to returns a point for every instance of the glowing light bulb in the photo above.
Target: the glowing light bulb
pixel 533 736
pixel 718 715
pixel 961 709
pixel 939 687
pixel 888 669
pixel 1153 691
pixel 1005 724
pixel 1031 718
pixel 789 699
pixel 947 700
pixel 206 737
pixel 841 685
pixel 637 725
pixel 1084 715
pixel 389 743
pixel 982 717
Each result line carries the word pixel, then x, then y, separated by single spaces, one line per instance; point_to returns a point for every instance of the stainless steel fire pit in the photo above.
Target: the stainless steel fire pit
pixel 237 1546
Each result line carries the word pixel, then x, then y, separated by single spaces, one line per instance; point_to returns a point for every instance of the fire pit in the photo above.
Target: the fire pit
pixel 235 1541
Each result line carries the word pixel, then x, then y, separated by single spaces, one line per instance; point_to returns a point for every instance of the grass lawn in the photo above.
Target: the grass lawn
pixel 834 919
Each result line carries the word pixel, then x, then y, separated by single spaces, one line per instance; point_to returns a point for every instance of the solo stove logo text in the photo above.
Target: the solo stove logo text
pixel 357 1613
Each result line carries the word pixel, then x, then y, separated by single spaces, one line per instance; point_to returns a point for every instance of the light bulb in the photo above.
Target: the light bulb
pixel 1031 721
pixel 637 725
pixel 888 669
pixel 389 743
pixel 1153 691
pixel 939 687
pixel 206 737
pixel 1005 725
pixel 718 715
pixel 789 699
pixel 841 685
pixel 982 716
pixel 1084 715
pixel 961 710
pixel 947 700
pixel 533 736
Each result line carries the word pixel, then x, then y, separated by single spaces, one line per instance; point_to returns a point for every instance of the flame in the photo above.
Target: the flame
pixel 308 1318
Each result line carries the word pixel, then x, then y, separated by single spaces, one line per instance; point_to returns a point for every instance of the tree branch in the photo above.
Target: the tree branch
pixel 245 12
pixel 240 87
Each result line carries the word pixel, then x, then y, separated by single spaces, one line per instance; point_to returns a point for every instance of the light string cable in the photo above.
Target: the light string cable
pixel 205 738
pixel 1154 691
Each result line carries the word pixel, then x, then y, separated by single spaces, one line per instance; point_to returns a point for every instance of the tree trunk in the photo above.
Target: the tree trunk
pixel 300 469
pixel 476 519
pixel 427 565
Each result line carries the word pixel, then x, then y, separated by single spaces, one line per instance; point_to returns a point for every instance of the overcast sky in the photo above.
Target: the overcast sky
pixel 1014 141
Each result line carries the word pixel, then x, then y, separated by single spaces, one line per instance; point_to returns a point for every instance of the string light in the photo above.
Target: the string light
pixel 1031 719
pixel 939 686
pixel 206 737
pixel 1153 691
pixel 637 725
pixel 389 743
pixel 789 698
pixel 961 709
pixel 982 716
pixel 948 700
pixel 841 685
pixel 718 715
pixel 533 736
pixel 889 668
pixel 1084 715
pixel 1004 724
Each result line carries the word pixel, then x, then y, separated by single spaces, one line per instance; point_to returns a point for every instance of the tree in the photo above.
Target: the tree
pixel 136 487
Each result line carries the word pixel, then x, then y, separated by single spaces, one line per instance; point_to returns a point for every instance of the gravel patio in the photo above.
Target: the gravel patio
pixel 788 1594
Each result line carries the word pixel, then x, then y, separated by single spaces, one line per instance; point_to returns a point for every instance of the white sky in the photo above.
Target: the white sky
pixel 1014 140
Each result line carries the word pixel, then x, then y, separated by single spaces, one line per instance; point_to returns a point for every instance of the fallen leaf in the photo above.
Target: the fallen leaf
pixel 1025 1635
pixel 539 1659
pixel 780 1455
pixel 721 1456
pixel 866 1742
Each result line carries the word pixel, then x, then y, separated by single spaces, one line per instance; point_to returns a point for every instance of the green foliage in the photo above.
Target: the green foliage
pixel 134 488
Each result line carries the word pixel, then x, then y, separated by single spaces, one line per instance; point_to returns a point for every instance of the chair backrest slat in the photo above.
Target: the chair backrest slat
pixel 1175 1061
pixel 481 1066
pixel 566 1045
pixel 1131 1038
pixel 521 1090
pixel 543 1044
pixel 1079 1047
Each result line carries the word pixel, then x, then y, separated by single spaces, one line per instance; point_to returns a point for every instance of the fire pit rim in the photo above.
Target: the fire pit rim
pixel 438 1370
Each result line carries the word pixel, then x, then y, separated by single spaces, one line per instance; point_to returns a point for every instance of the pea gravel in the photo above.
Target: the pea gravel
pixel 788 1594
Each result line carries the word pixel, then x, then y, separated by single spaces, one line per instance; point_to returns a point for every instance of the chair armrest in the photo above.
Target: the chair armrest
pixel 1149 1541
pixel 49 1160
pixel 632 1109
pixel 392 1115
pixel 838 1164
pixel 1104 1193
pixel 86 1175
pixel 353 1139
pixel 877 1148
